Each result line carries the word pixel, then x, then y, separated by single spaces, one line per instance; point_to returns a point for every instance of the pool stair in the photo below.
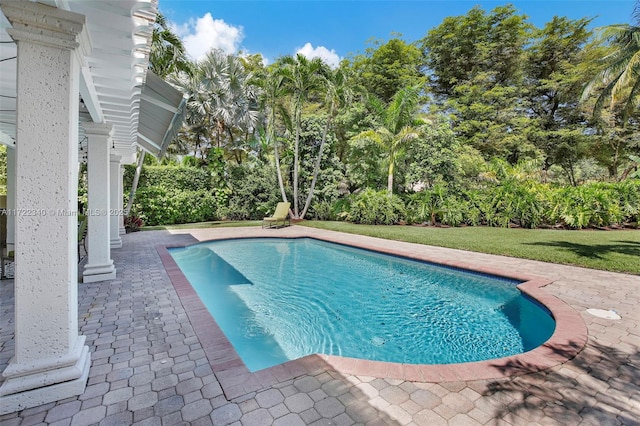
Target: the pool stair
pixel 201 261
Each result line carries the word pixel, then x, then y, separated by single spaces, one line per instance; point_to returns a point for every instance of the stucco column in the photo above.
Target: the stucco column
pixel 115 201
pixel 51 360
pixel 99 266
pixel 11 199
pixel 121 229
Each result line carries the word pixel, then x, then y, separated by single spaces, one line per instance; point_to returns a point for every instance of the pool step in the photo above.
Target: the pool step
pixel 204 262
pixel 193 255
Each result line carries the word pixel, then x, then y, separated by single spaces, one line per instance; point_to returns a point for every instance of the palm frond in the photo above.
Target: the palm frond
pixel 402 109
pixel 620 74
pixel 632 102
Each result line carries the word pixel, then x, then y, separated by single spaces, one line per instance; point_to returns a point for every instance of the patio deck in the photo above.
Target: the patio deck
pixel 152 365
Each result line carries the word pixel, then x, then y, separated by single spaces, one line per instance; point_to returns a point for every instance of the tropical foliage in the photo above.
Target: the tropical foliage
pixel 168 195
pixel 486 120
pixel 168 55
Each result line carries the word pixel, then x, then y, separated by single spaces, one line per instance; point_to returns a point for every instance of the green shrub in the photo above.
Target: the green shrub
pixel 628 194
pixel 473 200
pixel 438 204
pixel 454 211
pixel 340 208
pixel 157 206
pixel 598 204
pixel 322 210
pixel 253 191
pixel 376 208
pixel 507 194
pixel 427 205
pixel 336 210
pixel 513 201
pixel 172 178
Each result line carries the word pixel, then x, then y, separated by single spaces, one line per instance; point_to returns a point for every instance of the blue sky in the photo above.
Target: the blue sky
pixel 336 29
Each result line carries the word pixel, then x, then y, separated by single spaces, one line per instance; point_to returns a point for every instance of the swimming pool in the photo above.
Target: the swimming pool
pixel 281 299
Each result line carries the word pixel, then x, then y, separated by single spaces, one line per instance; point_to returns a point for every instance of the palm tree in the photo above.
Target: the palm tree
pixel 167 55
pixel 398 127
pixel 243 104
pixel 620 75
pixel 302 77
pixel 222 103
pixel 210 93
pixel 337 93
pixel 273 91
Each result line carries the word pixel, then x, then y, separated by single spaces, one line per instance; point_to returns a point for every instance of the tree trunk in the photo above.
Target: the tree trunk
pixel 298 114
pixel 134 185
pixel 627 172
pixel 613 168
pixel 276 153
pixel 236 152
pixel 390 177
pixel 316 168
pixel 278 170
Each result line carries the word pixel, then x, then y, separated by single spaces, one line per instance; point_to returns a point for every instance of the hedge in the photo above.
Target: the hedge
pixel 173 178
pixel 168 195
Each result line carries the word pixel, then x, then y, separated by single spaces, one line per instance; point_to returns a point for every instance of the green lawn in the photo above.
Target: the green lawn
pixel 607 250
pixel 617 251
pixel 215 224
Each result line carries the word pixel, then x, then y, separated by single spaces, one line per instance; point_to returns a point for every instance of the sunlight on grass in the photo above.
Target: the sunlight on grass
pixel 617 251
pixel 200 225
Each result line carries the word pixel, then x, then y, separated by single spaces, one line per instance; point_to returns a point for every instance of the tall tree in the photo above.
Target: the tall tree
pixel 461 47
pixel 554 77
pixel 223 109
pixel 434 156
pixel 398 128
pixel 617 122
pixel 302 77
pixel 491 118
pixel 337 93
pixel 620 69
pixel 476 74
pixel 168 55
pixel 272 94
pixel 388 67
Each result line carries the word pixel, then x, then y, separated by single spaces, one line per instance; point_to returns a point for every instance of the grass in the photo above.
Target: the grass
pixel 617 251
pixel 199 225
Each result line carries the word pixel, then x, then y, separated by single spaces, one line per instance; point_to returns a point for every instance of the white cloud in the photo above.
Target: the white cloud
pixel 328 56
pixel 203 34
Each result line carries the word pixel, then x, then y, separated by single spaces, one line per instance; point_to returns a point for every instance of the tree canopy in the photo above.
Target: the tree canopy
pixel 477 100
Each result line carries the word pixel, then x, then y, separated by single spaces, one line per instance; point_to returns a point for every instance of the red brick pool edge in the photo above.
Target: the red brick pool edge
pixel 568 339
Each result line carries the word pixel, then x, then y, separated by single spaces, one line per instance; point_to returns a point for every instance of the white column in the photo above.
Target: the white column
pixel 99 266
pixel 115 203
pixel 51 360
pixel 11 198
pixel 121 229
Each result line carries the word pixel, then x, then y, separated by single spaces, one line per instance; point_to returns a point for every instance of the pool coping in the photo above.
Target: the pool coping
pixel 569 338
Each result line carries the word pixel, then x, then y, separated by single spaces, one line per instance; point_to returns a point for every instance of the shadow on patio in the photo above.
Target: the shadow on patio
pixel 597 387
pixel 150 366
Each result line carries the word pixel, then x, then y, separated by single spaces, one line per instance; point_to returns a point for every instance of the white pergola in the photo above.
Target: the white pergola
pixel 73 77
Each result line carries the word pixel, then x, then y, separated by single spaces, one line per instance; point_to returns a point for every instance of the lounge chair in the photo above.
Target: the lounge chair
pixel 280 215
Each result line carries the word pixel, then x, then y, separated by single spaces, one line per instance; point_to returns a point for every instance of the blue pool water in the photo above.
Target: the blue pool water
pixel 281 299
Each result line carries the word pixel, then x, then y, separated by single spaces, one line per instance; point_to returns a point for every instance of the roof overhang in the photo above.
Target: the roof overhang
pixel 161 115
pixel 112 79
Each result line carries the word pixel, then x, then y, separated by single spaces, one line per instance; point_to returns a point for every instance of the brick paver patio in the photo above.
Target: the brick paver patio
pixel 150 366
